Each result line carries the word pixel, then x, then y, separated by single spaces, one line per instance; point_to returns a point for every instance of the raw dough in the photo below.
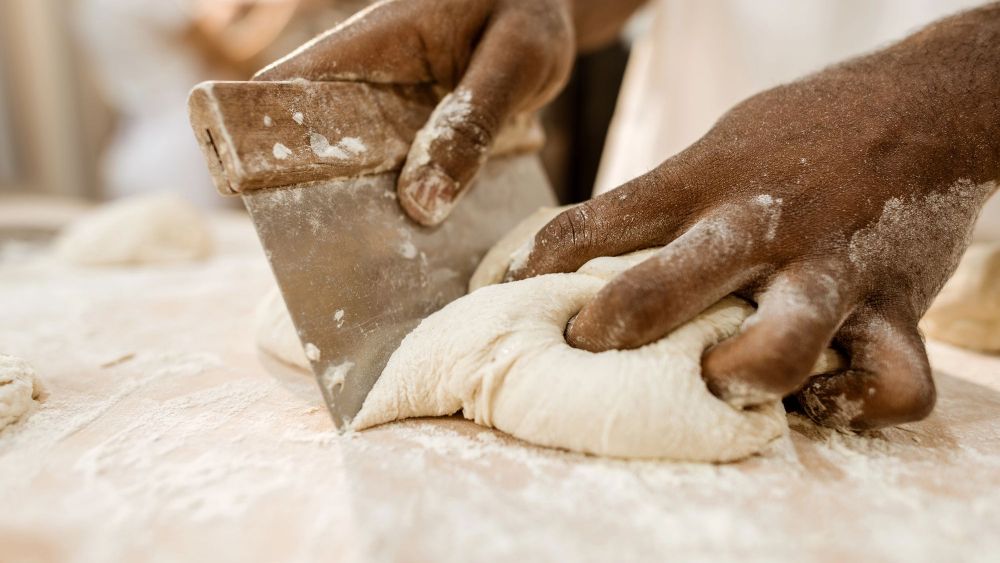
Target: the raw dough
pixel 499 356
pixel 139 230
pixel 275 332
pixel 17 389
pixel 967 311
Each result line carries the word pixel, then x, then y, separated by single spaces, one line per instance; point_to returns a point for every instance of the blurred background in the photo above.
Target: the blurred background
pixel 93 92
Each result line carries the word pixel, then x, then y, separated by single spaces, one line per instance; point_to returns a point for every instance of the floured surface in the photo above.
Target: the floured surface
pixel 18 390
pixel 162 437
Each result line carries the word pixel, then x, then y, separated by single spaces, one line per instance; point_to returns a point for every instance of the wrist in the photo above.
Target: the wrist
pixel 949 72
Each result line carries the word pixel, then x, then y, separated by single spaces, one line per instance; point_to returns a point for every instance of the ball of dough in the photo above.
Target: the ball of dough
pixel 967 311
pixel 499 355
pixel 140 230
pixel 18 389
pixel 275 333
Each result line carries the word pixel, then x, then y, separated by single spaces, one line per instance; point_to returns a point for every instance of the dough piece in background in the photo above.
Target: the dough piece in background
pixel 967 311
pixel 18 389
pixel 146 229
pixel 499 355
pixel 275 333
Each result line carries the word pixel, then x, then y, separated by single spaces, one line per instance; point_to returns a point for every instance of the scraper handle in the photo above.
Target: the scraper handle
pixel 258 135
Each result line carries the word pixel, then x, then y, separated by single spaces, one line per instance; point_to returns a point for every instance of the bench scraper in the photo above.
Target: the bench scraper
pixel 316 166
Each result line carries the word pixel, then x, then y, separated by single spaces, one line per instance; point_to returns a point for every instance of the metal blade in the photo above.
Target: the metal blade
pixel 357 275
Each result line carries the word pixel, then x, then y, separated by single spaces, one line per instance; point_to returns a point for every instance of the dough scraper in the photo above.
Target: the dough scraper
pixel 316 166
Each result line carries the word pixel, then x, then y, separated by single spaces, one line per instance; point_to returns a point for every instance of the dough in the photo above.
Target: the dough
pixel 967 311
pixel 275 332
pixel 499 355
pixel 18 389
pixel 140 230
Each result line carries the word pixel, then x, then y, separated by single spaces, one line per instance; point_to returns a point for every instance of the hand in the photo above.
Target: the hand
pixel 840 204
pixel 500 57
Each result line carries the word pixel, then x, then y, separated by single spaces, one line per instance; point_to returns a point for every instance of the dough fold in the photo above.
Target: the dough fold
pixel 149 229
pixel 499 356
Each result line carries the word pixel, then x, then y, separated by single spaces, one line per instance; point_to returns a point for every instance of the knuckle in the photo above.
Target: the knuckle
pixel 784 363
pixel 904 403
pixel 569 229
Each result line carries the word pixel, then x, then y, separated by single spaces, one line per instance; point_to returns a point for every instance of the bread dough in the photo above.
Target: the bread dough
pixel 499 355
pixel 275 333
pixel 18 389
pixel 967 311
pixel 140 230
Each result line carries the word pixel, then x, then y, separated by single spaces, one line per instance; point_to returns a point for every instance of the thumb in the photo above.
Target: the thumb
pixel 511 71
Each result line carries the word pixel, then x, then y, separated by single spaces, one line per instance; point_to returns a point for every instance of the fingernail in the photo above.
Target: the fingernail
pixel 429 194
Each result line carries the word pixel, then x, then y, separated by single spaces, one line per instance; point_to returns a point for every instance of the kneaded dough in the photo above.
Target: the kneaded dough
pixel 499 355
pixel 967 311
pixel 275 333
pixel 139 230
pixel 18 389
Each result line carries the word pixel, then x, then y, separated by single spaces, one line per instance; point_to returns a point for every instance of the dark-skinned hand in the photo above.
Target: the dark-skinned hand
pixel 839 204
pixel 498 58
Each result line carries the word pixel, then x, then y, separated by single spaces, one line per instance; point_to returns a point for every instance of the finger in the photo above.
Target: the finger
pixel 888 381
pixel 644 303
pixel 774 353
pixel 510 71
pixel 386 42
pixel 648 211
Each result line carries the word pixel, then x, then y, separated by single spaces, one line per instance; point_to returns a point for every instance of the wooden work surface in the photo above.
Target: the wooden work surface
pixel 163 436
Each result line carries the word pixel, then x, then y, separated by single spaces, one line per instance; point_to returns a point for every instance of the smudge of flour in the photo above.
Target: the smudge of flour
pixel 312 351
pixel 347 147
pixel 334 376
pixel 281 152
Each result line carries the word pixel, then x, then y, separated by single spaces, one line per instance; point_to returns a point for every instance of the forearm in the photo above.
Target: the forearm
pixel 598 22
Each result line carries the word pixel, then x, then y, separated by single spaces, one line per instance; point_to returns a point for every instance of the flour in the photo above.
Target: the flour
pixel 281 152
pixel 17 389
pixel 946 216
pixel 184 445
pixel 348 147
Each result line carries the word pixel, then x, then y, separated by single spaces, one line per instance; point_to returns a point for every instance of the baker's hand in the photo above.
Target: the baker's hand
pixel 498 57
pixel 840 204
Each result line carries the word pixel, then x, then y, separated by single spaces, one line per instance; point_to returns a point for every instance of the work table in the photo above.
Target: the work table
pixel 163 434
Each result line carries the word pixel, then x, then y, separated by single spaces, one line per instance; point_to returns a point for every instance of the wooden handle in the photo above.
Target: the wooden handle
pixel 268 134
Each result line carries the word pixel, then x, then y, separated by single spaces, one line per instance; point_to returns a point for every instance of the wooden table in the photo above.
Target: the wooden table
pixel 163 436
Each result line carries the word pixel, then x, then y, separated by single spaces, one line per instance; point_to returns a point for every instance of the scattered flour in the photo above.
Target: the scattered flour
pixel 281 152
pixel 183 445
pixel 348 147
pixel 18 389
